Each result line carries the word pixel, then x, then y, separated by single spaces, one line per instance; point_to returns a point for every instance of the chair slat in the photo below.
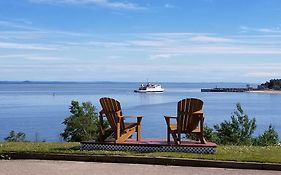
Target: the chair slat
pixel 112 110
pixel 187 121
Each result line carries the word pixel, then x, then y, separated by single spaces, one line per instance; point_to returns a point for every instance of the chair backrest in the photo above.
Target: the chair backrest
pixel 112 110
pixel 185 122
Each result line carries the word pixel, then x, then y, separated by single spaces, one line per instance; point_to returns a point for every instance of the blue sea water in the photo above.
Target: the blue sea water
pixel 39 109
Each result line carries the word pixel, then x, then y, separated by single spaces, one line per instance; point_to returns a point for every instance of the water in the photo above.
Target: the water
pixel 39 109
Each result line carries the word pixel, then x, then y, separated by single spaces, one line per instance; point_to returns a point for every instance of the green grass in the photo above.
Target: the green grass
pixel 270 154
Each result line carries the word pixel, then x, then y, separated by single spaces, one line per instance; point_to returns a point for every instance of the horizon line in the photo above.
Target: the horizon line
pixel 99 81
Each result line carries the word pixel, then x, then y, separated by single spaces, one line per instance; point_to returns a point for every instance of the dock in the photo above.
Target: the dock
pixel 151 145
pixel 227 90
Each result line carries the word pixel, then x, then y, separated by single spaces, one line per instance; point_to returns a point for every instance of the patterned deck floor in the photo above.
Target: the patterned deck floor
pixel 151 145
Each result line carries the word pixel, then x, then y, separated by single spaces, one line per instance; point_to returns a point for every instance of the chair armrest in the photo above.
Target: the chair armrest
pixel 168 119
pixel 133 116
pixel 170 116
pixel 198 114
pixel 139 118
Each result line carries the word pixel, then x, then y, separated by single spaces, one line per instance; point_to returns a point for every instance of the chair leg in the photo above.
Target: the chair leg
pixel 201 137
pixel 139 128
pixel 168 135
pixel 138 133
pixel 176 140
pixel 101 137
pixel 101 129
pixel 128 133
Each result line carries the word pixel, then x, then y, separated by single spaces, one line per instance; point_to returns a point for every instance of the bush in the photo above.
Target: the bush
pixel 82 124
pixel 210 135
pixel 237 131
pixel 15 137
pixel 268 138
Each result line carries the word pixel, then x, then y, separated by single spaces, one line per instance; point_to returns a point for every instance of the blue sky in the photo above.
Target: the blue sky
pixel 158 40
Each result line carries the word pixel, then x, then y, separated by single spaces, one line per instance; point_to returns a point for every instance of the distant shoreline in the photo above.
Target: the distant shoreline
pixel 266 91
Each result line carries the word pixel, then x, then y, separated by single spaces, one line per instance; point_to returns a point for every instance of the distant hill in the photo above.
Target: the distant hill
pixel 53 82
pixel 34 82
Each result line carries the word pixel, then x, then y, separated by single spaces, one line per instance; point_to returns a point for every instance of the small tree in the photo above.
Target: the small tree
pixel 15 137
pixel 237 131
pixel 269 137
pixel 208 134
pixel 82 124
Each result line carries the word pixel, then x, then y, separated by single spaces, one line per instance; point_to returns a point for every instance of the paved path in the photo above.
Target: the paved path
pixel 44 167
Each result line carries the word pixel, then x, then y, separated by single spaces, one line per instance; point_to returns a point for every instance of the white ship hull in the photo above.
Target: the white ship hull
pixel 149 88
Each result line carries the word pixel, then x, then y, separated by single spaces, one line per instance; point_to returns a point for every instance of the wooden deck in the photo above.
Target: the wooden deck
pixel 151 145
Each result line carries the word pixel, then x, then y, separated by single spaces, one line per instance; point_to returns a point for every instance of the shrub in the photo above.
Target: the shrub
pixel 237 131
pixel 15 137
pixel 82 124
pixel 210 135
pixel 268 138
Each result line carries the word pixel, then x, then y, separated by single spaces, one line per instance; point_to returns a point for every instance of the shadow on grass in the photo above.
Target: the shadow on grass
pixel 67 149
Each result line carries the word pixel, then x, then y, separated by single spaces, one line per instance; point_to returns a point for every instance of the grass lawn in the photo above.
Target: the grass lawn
pixel 271 154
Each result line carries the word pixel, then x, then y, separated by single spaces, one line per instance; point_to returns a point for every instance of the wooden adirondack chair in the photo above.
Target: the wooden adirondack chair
pixel 111 109
pixel 189 120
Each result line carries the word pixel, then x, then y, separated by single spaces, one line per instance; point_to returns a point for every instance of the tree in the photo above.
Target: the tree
pixel 269 137
pixel 208 134
pixel 15 137
pixel 82 124
pixel 274 84
pixel 237 131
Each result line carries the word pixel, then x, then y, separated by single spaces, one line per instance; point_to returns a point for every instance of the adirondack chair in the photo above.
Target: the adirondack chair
pixel 189 120
pixel 111 109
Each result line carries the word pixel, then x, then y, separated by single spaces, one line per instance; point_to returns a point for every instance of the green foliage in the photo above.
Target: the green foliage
pixel 268 138
pixel 82 124
pixel 268 154
pixel 237 131
pixel 272 84
pixel 210 135
pixel 15 137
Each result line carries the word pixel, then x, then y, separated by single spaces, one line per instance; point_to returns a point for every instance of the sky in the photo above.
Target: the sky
pixel 140 40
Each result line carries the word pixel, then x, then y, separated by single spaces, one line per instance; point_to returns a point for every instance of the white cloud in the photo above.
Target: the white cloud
pixel 106 44
pixel 103 3
pixel 194 43
pixel 169 6
pixel 32 57
pixel 43 58
pixel 136 72
pixel 221 50
pixel 151 45
pixel 204 39
pixel 17 25
pixel 263 74
pixel 147 43
pixel 9 45
pixel 275 30
pixel 161 56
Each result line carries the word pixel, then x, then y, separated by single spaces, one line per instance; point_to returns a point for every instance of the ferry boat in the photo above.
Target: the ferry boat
pixel 149 88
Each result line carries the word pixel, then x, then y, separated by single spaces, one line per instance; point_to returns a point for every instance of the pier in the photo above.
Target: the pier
pixel 227 90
